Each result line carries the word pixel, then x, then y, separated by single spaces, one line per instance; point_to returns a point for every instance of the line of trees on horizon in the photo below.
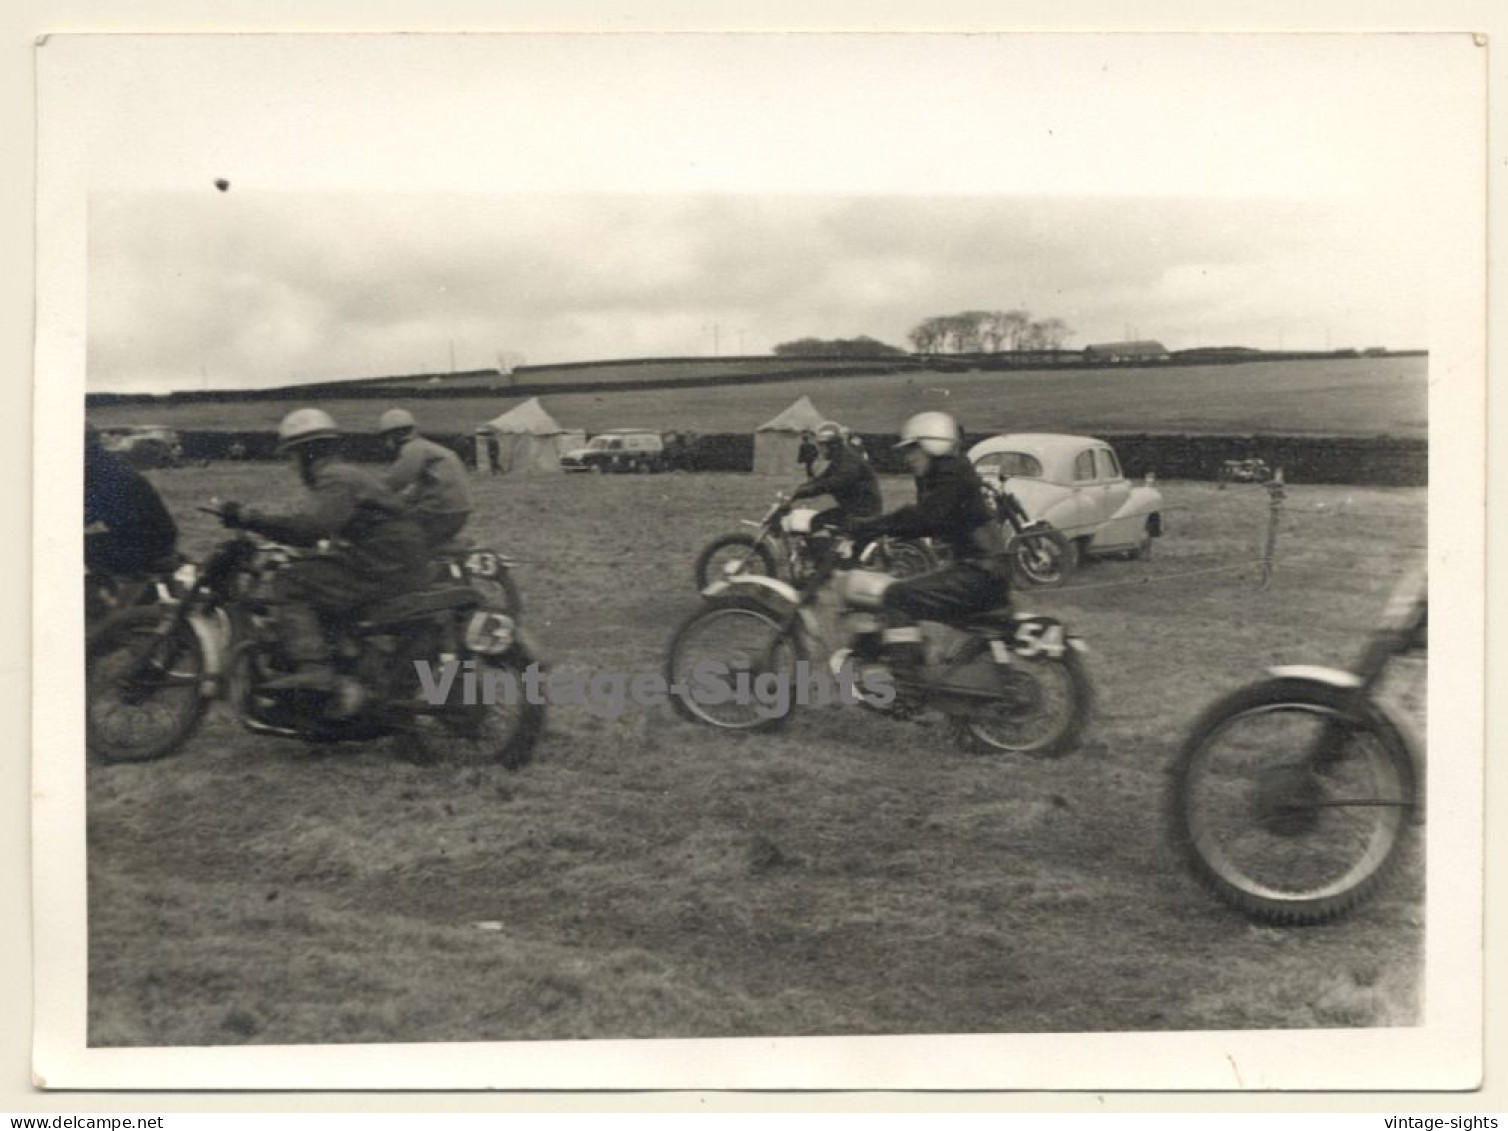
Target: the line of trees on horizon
pixel 988 331
pixel 863 346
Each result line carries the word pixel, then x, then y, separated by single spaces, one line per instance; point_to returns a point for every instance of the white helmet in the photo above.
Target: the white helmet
pixel 303 425
pixel 396 420
pixel 936 433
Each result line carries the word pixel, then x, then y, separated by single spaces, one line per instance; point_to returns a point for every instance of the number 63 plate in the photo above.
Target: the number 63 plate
pixel 489 633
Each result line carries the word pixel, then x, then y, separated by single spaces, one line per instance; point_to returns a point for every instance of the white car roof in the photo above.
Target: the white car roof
pixel 1054 450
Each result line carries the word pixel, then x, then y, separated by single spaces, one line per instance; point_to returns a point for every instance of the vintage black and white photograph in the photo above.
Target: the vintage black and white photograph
pixel 782 543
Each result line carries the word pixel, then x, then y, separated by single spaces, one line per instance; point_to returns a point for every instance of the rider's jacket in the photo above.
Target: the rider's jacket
pixel 851 482
pixel 429 477
pixel 119 497
pixel 367 525
pixel 949 507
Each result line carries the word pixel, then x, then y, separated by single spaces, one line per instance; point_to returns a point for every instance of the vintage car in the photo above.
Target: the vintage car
pixel 621 449
pixel 1075 485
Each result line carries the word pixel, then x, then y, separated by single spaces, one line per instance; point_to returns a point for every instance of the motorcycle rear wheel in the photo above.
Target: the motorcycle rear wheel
pixel 1044 707
pixel 1291 800
pixel 144 692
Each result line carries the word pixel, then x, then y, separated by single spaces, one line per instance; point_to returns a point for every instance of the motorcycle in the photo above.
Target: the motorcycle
pixel 1293 796
pixel 1007 682
pixel 152 671
pixel 783 544
pixel 1040 555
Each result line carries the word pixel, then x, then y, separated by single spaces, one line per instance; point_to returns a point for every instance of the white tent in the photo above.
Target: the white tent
pixel 529 439
pixel 777 441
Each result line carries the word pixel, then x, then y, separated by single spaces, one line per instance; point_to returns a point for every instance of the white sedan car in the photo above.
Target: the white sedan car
pixel 1075 485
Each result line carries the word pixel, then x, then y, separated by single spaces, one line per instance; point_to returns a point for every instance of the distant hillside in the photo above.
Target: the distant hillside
pixel 1367 396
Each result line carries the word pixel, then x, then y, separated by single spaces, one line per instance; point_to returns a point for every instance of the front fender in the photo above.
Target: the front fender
pixel 1349 681
pixel 763 589
pixel 1333 677
pixel 753 584
pixel 213 631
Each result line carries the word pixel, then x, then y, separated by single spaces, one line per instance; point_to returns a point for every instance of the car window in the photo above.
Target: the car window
pixel 1083 466
pixel 1006 464
pixel 1109 469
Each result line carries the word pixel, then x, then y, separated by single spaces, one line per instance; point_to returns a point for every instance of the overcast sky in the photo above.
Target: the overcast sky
pixel 242 289
pixel 394 202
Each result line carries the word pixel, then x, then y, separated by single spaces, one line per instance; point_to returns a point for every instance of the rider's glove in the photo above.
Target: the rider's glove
pixel 233 515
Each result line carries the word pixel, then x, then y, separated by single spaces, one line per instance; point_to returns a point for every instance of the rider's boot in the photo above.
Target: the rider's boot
pixel 304 641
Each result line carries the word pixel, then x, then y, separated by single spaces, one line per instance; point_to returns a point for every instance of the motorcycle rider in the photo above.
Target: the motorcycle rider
pixel 133 530
pixel 430 478
pixel 848 478
pixel 951 508
pixel 376 548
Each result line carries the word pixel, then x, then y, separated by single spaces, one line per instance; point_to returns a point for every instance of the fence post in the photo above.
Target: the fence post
pixel 1275 496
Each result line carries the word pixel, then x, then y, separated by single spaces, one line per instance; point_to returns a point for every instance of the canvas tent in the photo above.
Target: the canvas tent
pixel 529 439
pixel 777 441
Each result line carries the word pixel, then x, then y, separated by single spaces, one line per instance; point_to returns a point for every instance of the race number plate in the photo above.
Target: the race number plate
pixel 1038 637
pixel 489 633
pixel 482 563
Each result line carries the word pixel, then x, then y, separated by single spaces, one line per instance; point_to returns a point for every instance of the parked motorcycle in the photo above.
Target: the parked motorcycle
pixel 1007 682
pixel 783 544
pixel 1293 796
pixel 152 671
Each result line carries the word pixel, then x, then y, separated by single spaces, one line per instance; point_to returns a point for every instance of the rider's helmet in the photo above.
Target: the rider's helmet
pixel 936 433
pixel 305 426
pixel 397 421
pixel 830 433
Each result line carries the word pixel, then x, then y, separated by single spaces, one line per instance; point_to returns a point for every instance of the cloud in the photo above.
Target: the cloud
pixel 246 289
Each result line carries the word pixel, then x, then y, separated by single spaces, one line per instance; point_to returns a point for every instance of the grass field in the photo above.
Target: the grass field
pixel 1360 397
pixel 847 875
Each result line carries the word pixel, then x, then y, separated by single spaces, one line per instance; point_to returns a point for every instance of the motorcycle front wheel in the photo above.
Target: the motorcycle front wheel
pixel 728 662
pixel 908 559
pixel 1291 800
pixel 499 591
pixel 502 731
pixel 733 554
pixel 1041 708
pixel 144 689
pixel 1041 557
